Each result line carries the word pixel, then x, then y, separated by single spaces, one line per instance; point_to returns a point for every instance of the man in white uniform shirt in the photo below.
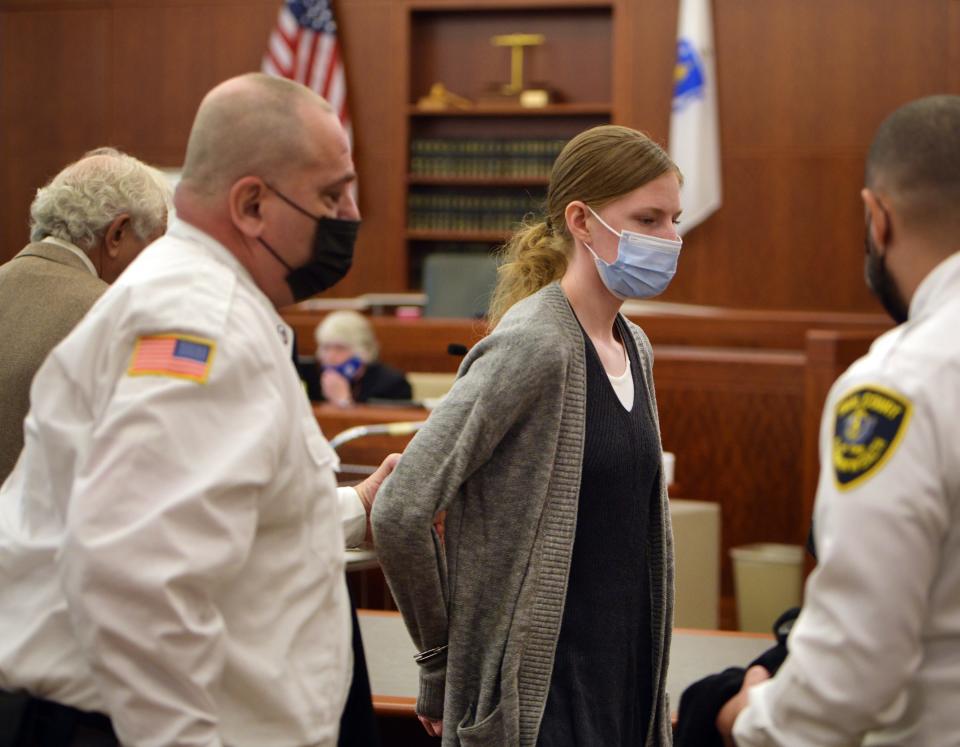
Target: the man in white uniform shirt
pixel 875 654
pixel 171 548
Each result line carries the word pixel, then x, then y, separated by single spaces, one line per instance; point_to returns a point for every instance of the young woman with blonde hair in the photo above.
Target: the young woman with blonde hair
pixel 544 617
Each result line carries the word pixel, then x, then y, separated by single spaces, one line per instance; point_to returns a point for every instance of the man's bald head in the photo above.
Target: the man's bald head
pixel 251 124
pixel 915 161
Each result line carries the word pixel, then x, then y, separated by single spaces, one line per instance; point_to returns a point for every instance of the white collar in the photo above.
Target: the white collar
pixel 180 229
pixel 939 286
pixel 63 244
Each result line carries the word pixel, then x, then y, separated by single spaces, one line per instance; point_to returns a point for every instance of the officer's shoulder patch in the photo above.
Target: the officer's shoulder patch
pixel 172 355
pixel 870 422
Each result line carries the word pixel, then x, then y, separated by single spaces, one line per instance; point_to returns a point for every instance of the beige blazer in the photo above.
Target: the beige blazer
pixel 44 291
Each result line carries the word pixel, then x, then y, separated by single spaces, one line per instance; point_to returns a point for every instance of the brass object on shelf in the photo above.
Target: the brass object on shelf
pixel 534 98
pixel 514 91
pixel 440 97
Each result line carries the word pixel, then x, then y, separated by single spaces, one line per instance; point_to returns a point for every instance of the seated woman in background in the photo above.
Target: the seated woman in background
pixel 347 353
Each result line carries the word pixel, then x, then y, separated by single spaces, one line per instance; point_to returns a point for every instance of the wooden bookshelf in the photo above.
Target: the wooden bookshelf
pixel 481 237
pixel 449 42
pixel 477 181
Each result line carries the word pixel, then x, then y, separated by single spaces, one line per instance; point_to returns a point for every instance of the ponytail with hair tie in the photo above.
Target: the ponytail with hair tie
pixel 532 259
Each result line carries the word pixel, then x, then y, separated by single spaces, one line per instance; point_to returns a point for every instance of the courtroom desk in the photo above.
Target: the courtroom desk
pixel 364 579
pixel 406 344
pixel 367 450
pixel 393 673
pixel 713 326
pixel 333 419
pixel 360 559
pixel 421 344
pixel 365 582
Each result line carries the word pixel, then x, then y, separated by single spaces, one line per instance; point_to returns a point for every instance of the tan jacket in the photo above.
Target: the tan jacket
pixel 44 291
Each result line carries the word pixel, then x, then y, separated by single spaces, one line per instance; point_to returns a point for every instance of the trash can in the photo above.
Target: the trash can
pixel 767 579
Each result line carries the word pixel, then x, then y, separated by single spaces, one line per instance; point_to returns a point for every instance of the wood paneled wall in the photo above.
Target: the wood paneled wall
pixel 802 87
pixel 421 344
pixel 78 74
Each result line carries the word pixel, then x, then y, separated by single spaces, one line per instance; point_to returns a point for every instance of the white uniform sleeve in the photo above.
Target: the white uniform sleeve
pixel 164 508
pixel 353 516
pixel 858 640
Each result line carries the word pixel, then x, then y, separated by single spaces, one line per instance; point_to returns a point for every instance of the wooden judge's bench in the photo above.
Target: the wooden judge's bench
pixel 739 395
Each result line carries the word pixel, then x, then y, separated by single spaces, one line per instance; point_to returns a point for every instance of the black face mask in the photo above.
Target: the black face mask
pixel 331 257
pixel 881 283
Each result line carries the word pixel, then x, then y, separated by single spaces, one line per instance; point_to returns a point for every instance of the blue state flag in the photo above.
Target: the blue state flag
pixel 694 128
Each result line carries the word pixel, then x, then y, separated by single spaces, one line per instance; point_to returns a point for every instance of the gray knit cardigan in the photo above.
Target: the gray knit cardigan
pixel 502 455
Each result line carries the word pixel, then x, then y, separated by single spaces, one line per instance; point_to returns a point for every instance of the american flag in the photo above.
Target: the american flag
pixel 179 356
pixel 304 48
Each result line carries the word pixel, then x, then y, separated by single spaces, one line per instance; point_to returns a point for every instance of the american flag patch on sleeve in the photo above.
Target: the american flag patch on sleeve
pixel 178 356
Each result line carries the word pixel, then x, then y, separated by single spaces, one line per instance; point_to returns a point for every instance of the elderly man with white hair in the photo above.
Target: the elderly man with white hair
pixel 86 225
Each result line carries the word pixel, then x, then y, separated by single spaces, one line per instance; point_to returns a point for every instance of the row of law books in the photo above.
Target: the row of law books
pixel 483 159
pixel 459 211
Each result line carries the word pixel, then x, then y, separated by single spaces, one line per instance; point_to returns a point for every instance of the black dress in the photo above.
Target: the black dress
pixel 601 691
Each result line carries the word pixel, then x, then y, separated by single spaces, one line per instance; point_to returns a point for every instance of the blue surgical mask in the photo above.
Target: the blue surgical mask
pixel 644 266
pixel 348 369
